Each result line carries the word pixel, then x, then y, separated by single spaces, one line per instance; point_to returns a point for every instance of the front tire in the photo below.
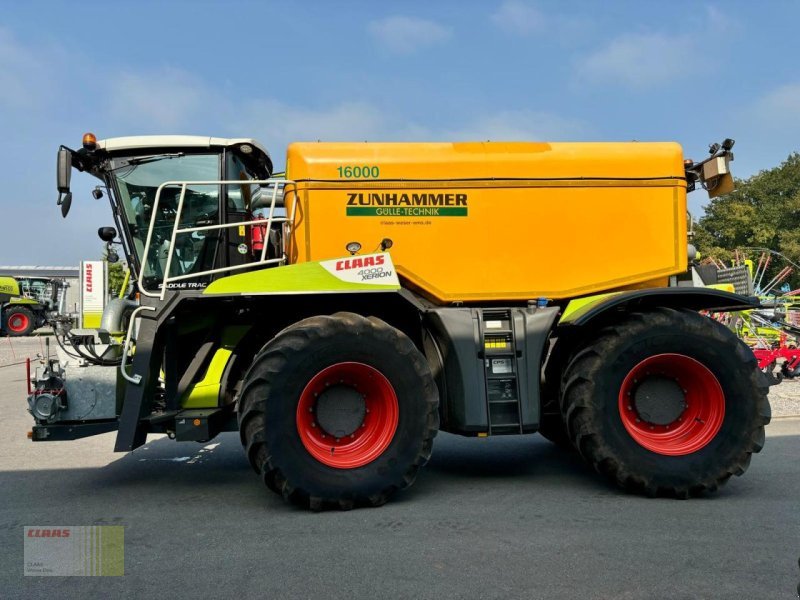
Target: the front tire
pixel 19 321
pixel 667 403
pixel 338 411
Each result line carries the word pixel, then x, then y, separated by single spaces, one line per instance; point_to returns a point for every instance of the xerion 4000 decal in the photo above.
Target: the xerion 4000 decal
pixel 370 269
pixel 390 204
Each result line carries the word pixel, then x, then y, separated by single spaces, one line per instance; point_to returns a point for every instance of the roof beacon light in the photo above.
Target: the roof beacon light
pixel 89 141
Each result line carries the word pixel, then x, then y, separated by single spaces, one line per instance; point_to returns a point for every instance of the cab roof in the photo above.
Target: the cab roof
pixel 140 142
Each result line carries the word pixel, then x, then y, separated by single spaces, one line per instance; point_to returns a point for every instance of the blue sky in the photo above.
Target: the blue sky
pixel 692 72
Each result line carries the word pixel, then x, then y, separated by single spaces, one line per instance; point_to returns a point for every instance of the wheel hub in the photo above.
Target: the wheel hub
pixel 18 323
pixel 340 410
pixel 659 400
pixel 347 415
pixel 671 404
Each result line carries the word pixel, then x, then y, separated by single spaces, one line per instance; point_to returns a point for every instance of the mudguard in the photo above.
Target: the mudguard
pixel 581 311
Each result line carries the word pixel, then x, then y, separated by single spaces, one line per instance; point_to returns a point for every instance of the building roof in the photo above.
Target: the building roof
pixel 37 271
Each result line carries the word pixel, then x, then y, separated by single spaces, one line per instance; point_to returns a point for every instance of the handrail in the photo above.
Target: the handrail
pixel 177 230
pixel 135 379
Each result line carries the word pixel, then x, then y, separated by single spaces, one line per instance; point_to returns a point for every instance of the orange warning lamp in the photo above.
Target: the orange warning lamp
pixel 89 141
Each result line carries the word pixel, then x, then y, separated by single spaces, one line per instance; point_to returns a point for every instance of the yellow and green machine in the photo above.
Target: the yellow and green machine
pixel 26 303
pixel 339 316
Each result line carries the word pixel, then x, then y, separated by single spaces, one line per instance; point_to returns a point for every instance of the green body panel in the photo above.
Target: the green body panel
pixel 303 278
pixel 205 393
pixel 9 285
pixel 21 300
pixel 580 306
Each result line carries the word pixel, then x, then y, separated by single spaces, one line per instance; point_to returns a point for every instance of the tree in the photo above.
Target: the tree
pixel 116 275
pixel 763 211
pixel 116 278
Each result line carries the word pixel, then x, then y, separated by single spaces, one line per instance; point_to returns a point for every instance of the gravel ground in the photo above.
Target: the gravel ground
pixel 784 398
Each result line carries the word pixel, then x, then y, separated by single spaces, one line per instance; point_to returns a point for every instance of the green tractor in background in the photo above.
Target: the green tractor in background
pixel 27 303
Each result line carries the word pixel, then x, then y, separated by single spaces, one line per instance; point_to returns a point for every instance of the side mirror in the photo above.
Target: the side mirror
pixel 63 170
pixel 65 202
pixel 107 234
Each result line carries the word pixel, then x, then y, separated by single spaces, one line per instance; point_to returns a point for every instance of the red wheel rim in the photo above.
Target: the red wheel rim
pixel 371 438
pixel 701 418
pixel 18 322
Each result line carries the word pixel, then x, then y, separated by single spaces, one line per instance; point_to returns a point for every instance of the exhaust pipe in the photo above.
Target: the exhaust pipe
pixel 114 313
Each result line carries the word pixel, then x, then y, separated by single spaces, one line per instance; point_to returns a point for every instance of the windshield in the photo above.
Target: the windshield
pixel 137 180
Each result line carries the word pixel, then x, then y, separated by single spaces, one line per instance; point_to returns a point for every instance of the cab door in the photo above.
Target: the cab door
pixel 239 201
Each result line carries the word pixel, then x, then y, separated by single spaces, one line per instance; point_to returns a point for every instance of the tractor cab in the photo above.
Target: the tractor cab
pixel 175 218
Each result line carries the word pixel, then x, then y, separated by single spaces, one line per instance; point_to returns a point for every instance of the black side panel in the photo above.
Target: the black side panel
pixel 146 362
pixel 461 364
pixel 537 324
pixel 458 369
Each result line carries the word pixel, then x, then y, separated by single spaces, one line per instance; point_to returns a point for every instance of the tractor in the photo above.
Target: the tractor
pixel 340 314
pixel 27 303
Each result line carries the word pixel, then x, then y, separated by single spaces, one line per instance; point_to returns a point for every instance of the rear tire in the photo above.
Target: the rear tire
pixel 666 403
pixel 553 428
pixel 18 321
pixel 309 381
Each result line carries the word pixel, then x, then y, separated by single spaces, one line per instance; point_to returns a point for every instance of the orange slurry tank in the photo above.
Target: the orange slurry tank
pixel 496 221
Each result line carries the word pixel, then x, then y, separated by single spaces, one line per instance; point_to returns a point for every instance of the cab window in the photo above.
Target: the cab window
pixel 137 180
pixel 240 198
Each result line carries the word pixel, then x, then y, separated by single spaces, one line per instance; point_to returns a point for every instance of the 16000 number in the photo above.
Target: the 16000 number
pixel 359 172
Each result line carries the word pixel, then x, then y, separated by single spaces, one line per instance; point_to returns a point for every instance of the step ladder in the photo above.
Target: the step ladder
pixel 500 363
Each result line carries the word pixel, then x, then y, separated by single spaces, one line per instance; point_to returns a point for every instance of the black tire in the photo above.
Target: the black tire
pixel 272 389
pixel 15 315
pixel 591 403
pixel 553 428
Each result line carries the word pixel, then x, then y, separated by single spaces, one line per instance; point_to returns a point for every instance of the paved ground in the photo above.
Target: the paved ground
pixel 497 518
